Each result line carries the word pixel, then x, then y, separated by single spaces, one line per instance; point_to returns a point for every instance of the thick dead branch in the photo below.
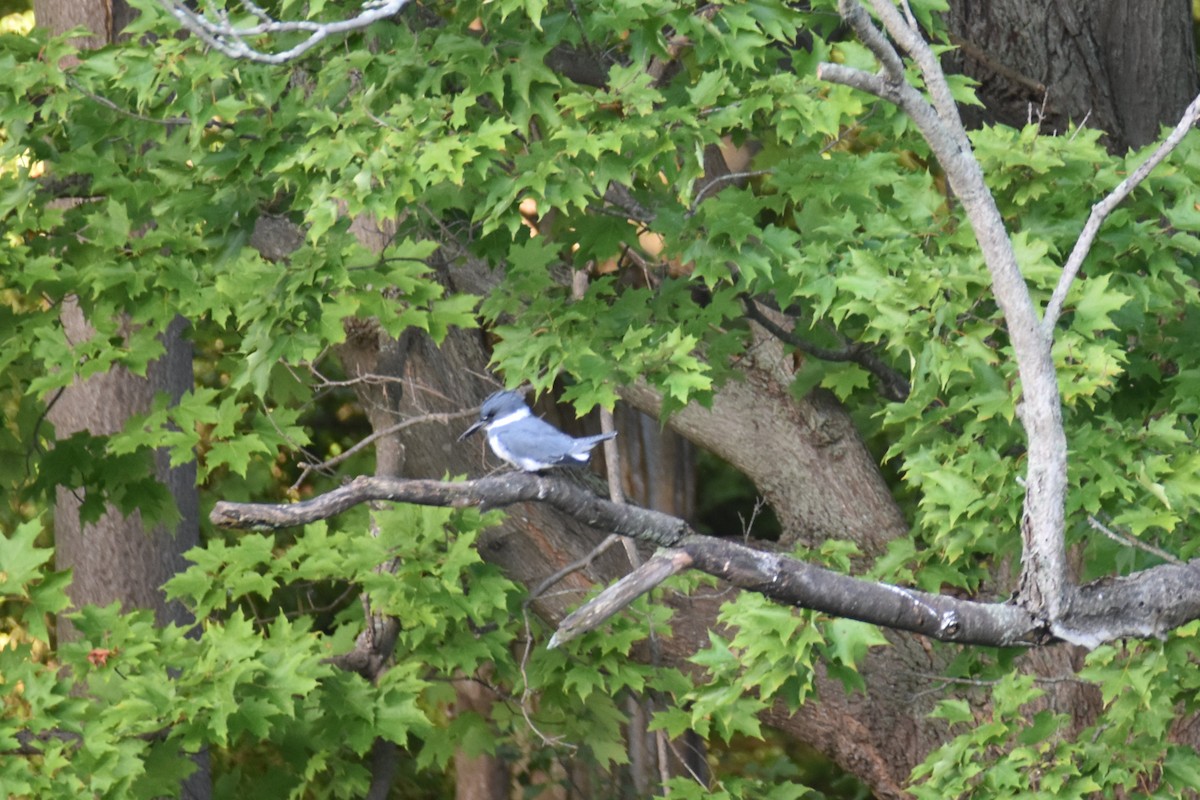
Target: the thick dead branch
pixel 496 491
pixel 1149 603
pixel 1045 588
pixel 612 600
pixel 219 31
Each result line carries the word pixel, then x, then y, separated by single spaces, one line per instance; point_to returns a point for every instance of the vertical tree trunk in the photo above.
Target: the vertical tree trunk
pixel 117 558
pixel 1126 67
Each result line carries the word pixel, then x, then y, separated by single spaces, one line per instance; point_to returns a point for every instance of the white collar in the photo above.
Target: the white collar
pixel 508 419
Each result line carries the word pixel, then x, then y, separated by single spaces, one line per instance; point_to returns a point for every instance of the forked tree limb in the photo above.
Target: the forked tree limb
pixel 1149 603
pixel 1045 588
pixel 239 40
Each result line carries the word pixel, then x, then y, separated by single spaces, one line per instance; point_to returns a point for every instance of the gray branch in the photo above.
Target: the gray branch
pixel 1100 212
pixel 218 31
pixel 1045 589
pixel 612 600
pixel 1148 603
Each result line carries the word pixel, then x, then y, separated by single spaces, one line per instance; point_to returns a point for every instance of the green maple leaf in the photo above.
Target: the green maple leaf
pixel 21 560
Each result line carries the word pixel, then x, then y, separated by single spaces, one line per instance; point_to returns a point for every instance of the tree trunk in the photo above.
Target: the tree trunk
pixel 117 558
pixel 1122 66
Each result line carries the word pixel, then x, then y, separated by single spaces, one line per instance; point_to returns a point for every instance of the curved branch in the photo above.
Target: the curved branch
pixel 228 38
pixel 892 385
pixel 1149 603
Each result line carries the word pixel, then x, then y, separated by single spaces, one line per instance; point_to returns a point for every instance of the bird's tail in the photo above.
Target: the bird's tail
pixel 591 441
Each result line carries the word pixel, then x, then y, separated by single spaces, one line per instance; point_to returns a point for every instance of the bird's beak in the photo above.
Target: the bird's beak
pixel 478 424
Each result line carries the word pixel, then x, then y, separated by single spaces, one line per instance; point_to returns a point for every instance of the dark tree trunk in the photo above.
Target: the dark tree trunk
pixel 1126 67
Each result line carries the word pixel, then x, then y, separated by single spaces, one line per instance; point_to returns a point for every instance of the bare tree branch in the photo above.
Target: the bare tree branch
pixel 311 466
pixel 1148 603
pixel 216 28
pixel 1100 212
pixel 611 601
pixel 775 576
pixel 1128 540
pixel 1045 588
pixel 574 566
pixel 892 384
pixel 495 491
pixel 109 104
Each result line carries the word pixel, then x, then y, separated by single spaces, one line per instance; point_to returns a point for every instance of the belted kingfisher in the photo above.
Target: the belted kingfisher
pixel 526 442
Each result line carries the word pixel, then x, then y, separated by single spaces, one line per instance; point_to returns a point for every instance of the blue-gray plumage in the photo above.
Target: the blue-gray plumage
pixel 526 442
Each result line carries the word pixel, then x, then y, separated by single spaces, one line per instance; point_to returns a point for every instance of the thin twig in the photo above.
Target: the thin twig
pixel 858 125
pixel 981 57
pixel 109 104
pixel 574 566
pixel 1132 541
pixel 526 701
pixel 892 385
pixel 1082 125
pixel 732 176
pixel 446 418
pixel 684 763
pixel 612 456
pixel 943 680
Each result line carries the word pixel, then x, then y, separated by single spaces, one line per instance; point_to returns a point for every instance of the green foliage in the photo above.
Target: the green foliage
pixel 736 789
pixel 1034 751
pixel 770 657
pixel 29 591
pixel 259 689
pixel 440 125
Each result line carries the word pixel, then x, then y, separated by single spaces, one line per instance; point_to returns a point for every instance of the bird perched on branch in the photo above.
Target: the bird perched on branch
pixel 527 442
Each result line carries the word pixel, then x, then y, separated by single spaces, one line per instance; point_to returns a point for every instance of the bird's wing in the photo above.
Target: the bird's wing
pixel 542 442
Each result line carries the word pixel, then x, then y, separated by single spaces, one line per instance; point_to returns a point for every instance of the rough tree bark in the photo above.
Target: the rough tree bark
pixel 1124 66
pixel 117 558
